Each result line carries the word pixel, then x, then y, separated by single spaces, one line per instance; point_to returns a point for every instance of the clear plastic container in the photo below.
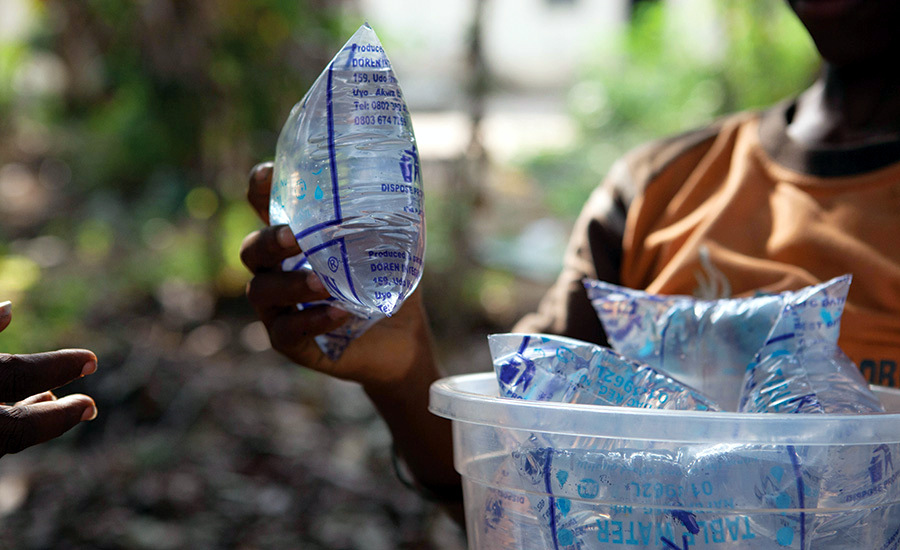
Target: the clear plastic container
pixel 565 476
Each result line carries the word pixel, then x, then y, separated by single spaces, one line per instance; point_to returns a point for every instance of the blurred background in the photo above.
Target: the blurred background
pixel 127 130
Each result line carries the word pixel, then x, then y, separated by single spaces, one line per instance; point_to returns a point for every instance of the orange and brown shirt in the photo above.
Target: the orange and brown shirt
pixel 738 208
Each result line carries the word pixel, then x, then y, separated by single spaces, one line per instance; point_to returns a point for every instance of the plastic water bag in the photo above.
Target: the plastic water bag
pixel 800 368
pixel 705 343
pixel 347 181
pixel 544 367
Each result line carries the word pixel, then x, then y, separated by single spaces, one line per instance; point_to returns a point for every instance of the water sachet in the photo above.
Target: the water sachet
pixel 800 367
pixel 578 480
pixel 347 181
pixel 544 367
pixel 705 343
pixel 801 370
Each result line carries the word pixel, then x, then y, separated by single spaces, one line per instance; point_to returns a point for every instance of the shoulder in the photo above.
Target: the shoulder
pixel 672 158
pixel 681 152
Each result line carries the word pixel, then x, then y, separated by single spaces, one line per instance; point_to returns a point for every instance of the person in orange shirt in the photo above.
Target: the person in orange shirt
pixel 762 201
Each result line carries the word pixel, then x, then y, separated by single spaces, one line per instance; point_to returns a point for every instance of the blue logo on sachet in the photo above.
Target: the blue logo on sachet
pixel 409 165
pixel 881 465
pixel 302 194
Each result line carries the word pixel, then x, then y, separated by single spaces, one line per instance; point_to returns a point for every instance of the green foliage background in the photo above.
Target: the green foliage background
pixel 162 110
pixel 654 81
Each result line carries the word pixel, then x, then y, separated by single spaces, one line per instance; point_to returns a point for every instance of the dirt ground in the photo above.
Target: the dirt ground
pixel 205 441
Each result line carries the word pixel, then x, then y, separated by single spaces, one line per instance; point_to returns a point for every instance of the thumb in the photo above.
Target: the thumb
pixel 22 426
pixel 5 314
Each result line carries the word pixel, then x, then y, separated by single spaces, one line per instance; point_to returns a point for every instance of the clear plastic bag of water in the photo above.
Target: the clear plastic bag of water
pixel 705 343
pixel 574 494
pixel 544 367
pixel 348 183
pixel 800 368
pixel 564 485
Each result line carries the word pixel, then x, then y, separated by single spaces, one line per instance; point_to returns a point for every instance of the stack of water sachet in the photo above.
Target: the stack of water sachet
pixel 764 354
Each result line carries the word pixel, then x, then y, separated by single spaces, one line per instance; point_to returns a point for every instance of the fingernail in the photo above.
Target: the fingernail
pixel 89 413
pixel 89 368
pixel 5 309
pixel 285 237
pixel 315 283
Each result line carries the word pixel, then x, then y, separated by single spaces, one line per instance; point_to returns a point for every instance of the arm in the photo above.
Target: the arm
pixel 393 360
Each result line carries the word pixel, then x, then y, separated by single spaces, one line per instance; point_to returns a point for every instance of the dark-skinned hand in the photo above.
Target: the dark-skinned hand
pixel 393 360
pixel 32 414
pixel 383 355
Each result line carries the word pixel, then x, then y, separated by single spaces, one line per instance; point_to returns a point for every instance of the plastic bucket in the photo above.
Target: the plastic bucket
pixel 547 475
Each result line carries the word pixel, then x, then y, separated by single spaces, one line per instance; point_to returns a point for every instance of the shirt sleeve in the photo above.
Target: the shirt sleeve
pixel 594 251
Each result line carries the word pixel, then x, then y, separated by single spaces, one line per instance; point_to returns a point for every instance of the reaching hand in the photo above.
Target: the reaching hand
pixel 37 414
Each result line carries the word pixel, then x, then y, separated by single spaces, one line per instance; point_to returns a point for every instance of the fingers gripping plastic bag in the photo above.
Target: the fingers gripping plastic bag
pixel 347 182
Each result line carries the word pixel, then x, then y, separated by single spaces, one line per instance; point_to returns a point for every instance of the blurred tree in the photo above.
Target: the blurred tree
pixel 168 85
pixel 148 116
pixel 665 75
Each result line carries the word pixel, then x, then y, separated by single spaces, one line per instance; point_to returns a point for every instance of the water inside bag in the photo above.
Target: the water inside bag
pixel 347 181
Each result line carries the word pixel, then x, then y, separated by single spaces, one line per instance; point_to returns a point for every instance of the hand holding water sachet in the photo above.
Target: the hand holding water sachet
pixel 347 181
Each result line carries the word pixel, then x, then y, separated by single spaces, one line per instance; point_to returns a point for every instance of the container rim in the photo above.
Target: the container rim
pixel 473 399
